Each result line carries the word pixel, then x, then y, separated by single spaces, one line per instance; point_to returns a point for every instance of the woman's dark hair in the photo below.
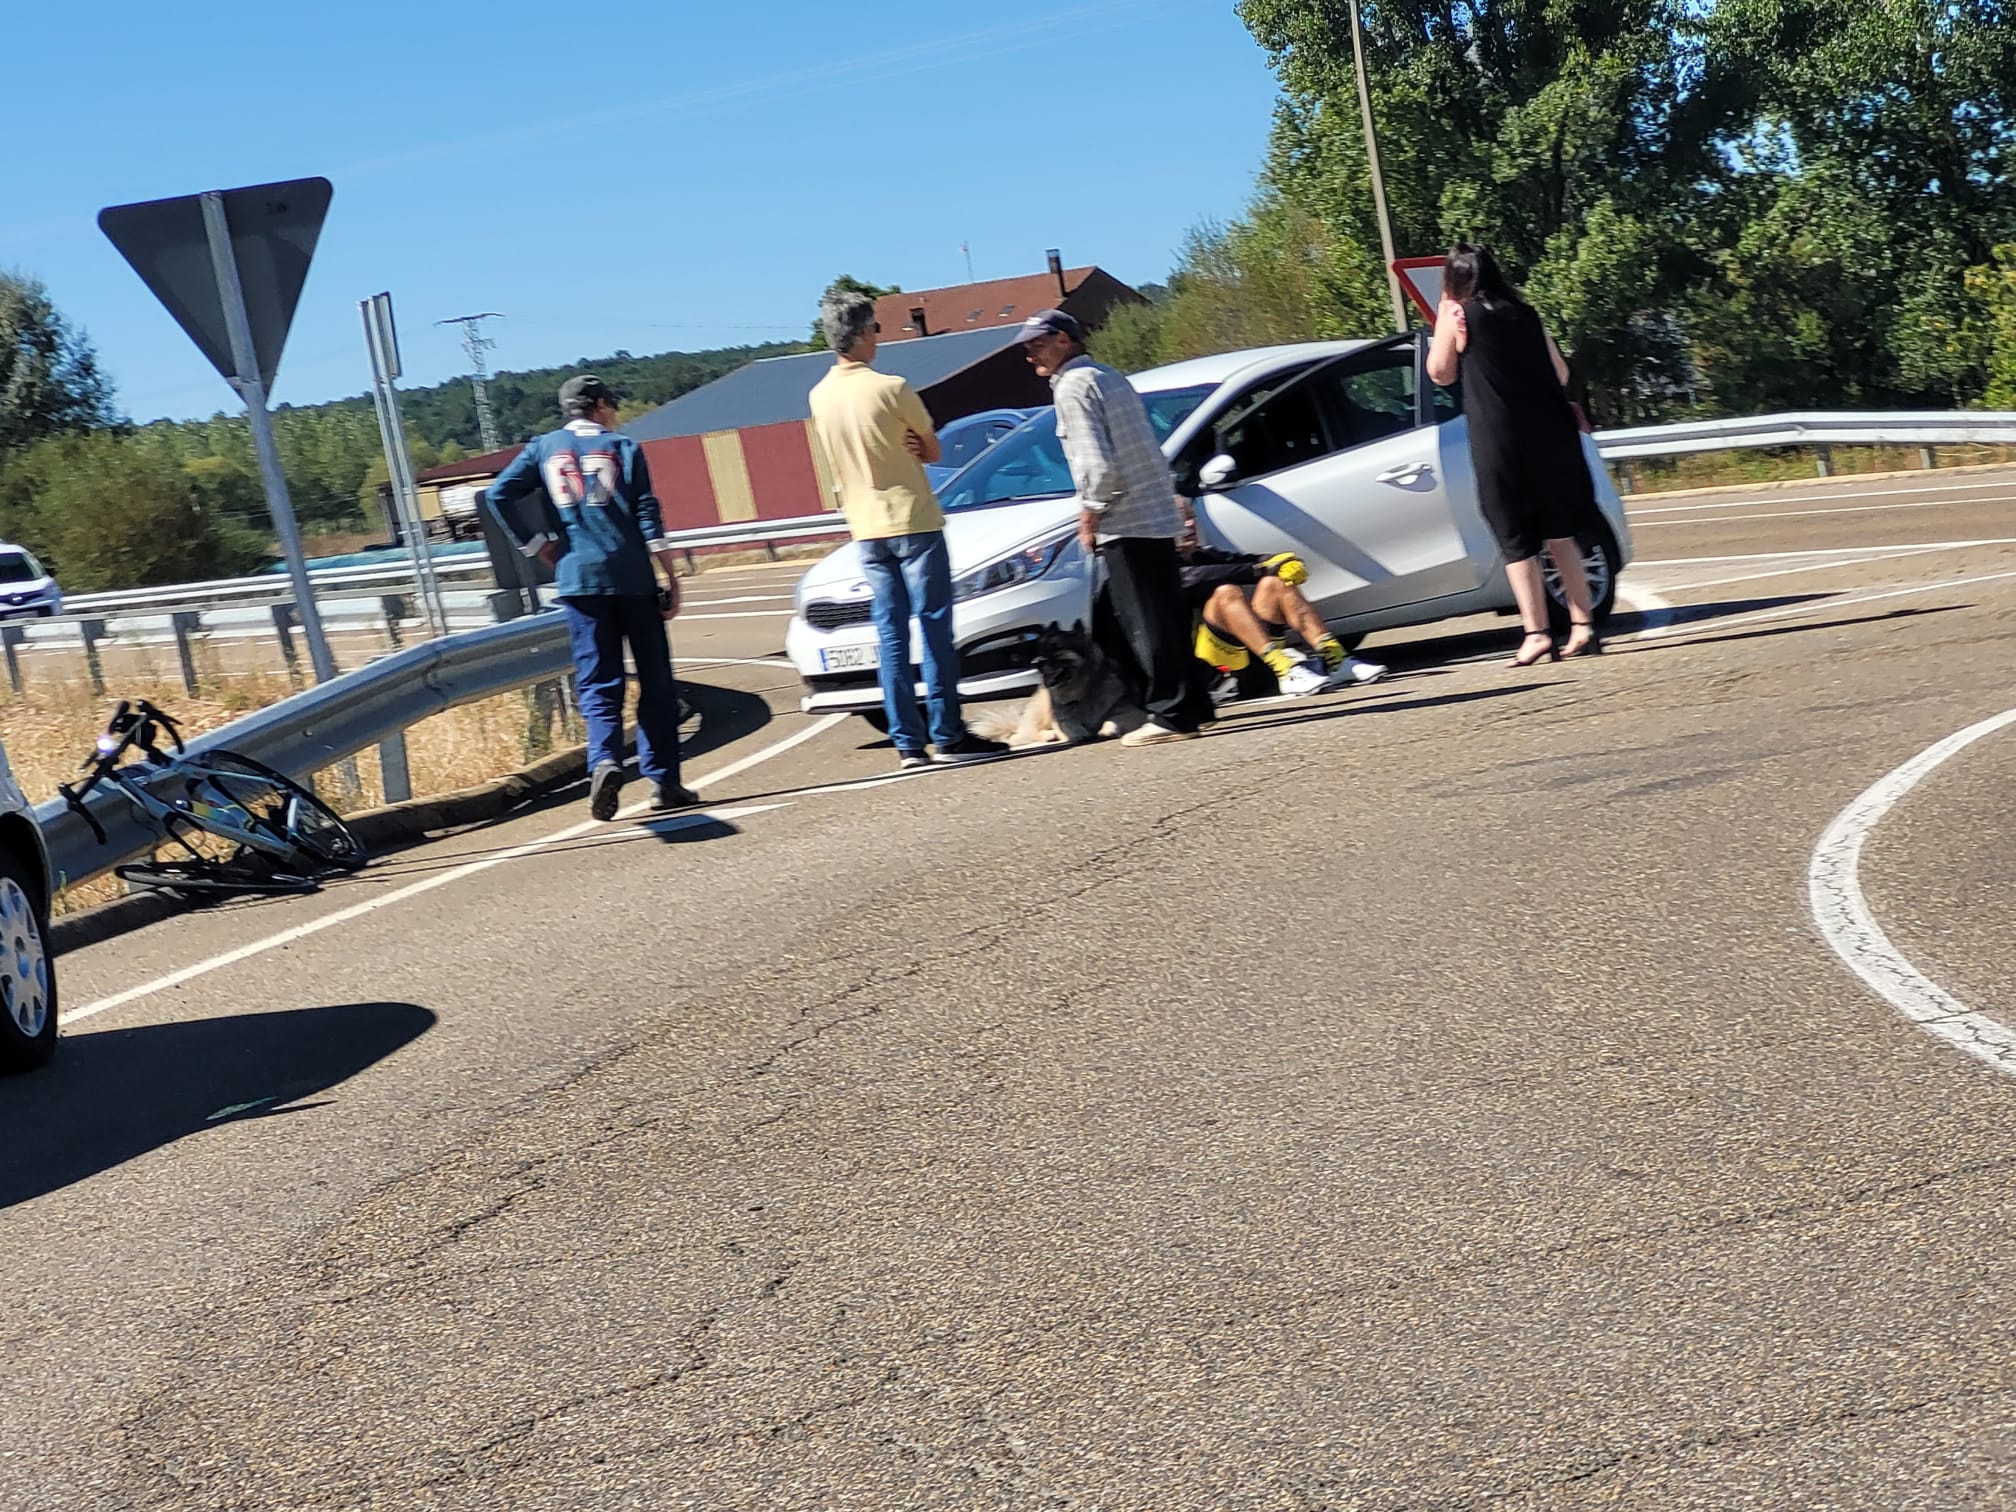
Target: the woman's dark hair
pixel 1473 273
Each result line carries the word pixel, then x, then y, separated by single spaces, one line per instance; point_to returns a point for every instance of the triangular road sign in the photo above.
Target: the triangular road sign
pixel 273 232
pixel 1421 277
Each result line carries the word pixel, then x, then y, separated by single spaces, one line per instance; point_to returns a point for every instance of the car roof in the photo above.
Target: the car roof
pixel 1223 366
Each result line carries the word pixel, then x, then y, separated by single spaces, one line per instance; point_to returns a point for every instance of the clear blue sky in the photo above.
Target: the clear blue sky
pixel 647 178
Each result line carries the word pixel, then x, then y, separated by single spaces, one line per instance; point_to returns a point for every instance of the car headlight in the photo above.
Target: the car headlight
pixel 1025 565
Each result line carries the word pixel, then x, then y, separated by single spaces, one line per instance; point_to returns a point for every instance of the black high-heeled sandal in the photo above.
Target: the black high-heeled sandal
pixel 1551 652
pixel 1593 646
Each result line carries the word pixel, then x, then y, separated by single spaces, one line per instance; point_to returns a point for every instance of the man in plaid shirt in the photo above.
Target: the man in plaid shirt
pixel 1129 517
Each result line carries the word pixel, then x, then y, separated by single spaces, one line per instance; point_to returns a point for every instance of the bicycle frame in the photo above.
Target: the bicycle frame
pixel 164 815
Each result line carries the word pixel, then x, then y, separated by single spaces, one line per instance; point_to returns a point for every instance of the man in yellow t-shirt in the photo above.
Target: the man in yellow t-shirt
pixel 877 436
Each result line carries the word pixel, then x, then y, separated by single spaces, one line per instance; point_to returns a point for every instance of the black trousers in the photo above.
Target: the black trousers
pixel 1144 584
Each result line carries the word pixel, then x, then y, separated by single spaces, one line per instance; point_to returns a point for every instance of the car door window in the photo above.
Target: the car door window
pixel 1371 400
pixel 1285 430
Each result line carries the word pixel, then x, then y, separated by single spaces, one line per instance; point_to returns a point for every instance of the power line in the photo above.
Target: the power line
pixel 474 342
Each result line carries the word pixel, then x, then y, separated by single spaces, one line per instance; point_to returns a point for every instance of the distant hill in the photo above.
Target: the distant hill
pixel 526 403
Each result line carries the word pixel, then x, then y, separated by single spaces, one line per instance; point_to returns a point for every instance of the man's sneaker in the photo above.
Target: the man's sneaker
pixel 1152 733
pixel 604 789
pixel 674 795
pixel 970 748
pixel 1225 690
pixel 1354 673
pixel 1300 680
pixel 911 761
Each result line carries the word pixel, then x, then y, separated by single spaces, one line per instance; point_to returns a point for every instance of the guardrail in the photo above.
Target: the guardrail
pixel 1818 429
pixel 317 728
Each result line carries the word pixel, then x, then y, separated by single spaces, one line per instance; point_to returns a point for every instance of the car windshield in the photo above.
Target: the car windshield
pixel 1030 463
pixel 18 567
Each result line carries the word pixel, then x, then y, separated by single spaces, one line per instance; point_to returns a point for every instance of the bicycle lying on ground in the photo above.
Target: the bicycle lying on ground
pixel 230 825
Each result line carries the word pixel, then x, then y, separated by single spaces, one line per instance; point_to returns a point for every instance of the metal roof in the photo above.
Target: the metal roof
pixel 775 389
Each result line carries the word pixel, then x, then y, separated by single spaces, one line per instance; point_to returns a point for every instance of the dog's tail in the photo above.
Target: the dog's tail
pixel 996 721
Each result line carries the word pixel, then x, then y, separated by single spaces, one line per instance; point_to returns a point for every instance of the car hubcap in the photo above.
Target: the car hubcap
pixel 24 962
pixel 1595 564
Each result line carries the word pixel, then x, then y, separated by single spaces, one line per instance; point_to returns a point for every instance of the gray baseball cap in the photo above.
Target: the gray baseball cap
pixel 584 391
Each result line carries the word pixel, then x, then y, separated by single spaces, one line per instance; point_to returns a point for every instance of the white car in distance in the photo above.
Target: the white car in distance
pixel 25 588
pixel 1342 452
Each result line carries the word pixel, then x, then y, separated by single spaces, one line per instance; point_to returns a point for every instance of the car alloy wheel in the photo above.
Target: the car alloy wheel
pixel 27 1002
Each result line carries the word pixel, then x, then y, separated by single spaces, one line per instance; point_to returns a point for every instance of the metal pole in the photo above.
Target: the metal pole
pixel 1378 177
pixel 398 466
pixel 224 263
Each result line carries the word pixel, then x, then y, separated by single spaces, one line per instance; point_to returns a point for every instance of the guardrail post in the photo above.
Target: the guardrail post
pixel 394 774
pixel 93 631
pixel 11 637
pixel 1928 457
pixel 186 622
pixel 394 605
pixel 283 628
pixel 1823 461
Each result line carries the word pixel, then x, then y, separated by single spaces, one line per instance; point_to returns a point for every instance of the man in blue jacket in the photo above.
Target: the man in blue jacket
pixel 600 538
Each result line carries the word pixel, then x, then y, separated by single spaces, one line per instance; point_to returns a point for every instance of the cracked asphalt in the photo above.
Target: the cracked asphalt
pixel 1434 1096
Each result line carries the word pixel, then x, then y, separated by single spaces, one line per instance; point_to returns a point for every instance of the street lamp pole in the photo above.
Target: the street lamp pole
pixel 1378 177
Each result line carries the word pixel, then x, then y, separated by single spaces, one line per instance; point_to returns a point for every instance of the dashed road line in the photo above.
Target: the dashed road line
pixel 1834 890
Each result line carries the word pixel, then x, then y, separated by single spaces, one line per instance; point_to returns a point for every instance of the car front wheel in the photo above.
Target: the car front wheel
pixel 27 975
pixel 1601 562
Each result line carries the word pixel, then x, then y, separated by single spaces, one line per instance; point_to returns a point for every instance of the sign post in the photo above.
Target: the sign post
pixel 198 253
pixel 381 341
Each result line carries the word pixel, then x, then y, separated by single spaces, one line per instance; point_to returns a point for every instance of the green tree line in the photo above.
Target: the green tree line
pixel 1721 206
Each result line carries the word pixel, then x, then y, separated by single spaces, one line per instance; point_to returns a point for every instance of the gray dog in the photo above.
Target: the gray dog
pixel 1083 696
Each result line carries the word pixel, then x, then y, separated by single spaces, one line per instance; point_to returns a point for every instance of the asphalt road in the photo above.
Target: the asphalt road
pixel 1439 1095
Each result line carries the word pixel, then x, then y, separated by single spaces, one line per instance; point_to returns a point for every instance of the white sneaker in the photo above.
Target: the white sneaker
pixel 1152 733
pixel 1301 680
pixel 1355 673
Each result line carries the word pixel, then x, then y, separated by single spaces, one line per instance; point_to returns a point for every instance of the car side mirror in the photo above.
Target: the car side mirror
pixel 1217 473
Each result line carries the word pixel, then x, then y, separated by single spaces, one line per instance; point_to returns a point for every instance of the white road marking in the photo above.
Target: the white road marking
pixel 1819 606
pixel 1641 564
pixel 1834 889
pixel 1801 514
pixel 746 598
pixel 1657 609
pixel 1764 500
pixel 731 661
pixel 1827 565
pixel 442 879
pixel 734 614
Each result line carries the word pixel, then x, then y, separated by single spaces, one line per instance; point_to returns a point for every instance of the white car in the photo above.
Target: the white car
pixel 24 587
pixel 27 974
pixel 1341 451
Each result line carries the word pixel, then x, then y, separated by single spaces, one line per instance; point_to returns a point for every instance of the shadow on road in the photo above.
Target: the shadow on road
pixel 114 1095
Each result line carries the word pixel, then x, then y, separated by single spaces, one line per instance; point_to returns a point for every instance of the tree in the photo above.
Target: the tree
pixel 113 510
pixel 846 283
pixel 49 378
pixel 1572 136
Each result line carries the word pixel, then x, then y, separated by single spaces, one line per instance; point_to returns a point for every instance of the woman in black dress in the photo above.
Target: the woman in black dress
pixel 1525 446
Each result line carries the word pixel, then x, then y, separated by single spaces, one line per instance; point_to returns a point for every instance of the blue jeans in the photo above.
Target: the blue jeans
pixel 599 625
pixel 911 576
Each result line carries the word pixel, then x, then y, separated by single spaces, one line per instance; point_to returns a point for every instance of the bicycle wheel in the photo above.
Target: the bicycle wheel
pixel 214 879
pixel 279 806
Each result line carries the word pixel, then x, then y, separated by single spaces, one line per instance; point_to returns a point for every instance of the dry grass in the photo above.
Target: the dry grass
pixel 49 730
pixel 1790 465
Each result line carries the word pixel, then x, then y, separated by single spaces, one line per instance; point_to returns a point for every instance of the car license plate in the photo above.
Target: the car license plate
pixel 851 658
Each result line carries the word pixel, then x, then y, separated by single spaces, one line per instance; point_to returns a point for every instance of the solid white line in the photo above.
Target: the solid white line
pixel 1834 889
pixel 746 598
pixel 1763 500
pixel 1801 514
pixel 731 661
pixel 735 614
pixel 1819 606
pixel 1640 564
pixel 1804 567
pixel 440 879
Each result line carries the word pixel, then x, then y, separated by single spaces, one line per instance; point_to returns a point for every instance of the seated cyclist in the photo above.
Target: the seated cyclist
pixel 1248 604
